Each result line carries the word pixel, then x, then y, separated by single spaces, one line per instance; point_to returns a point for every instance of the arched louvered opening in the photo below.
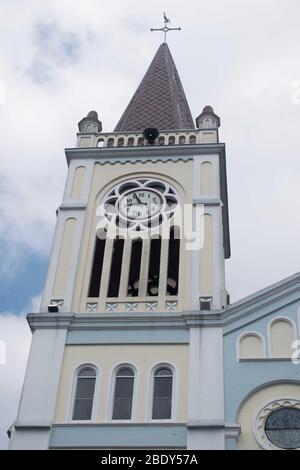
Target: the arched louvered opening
pixel 171 140
pixel 97 267
pixel 141 141
pixel 182 140
pixel 121 142
pixel 116 268
pixel 84 394
pixel 130 142
pixel 110 142
pixel 135 267
pixel 192 139
pixel 162 393
pixel 123 393
pixel 154 267
pixel 173 261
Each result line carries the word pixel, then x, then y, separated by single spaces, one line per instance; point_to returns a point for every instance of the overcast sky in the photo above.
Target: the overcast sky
pixel 60 59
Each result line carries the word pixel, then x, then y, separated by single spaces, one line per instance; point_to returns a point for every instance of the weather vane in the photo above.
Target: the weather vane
pixel 166 28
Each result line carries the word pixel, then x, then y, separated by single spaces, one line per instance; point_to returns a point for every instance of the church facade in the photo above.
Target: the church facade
pixel 136 344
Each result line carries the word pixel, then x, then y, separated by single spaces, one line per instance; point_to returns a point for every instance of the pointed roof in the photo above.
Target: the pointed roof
pixel 160 100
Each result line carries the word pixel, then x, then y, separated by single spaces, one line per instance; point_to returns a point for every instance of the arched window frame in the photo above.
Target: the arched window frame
pixel 71 406
pixel 278 319
pixel 112 394
pixel 174 392
pixel 250 333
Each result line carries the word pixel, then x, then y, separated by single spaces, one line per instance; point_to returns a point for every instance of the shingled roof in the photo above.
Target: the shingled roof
pixel 160 100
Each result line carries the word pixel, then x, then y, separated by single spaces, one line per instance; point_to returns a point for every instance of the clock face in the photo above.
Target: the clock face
pixel 140 204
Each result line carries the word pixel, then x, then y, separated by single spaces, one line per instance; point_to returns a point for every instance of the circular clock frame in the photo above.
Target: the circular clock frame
pixel 116 200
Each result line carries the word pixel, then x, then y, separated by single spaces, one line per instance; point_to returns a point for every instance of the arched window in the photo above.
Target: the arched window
pixel 84 394
pixel 192 139
pixel 182 140
pixel 140 141
pixel 161 140
pixel 171 140
pixel 110 142
pixel 123 393
pixel 162 393
pixel 130 142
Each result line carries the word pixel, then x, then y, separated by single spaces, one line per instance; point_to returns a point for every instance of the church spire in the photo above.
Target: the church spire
pixel 160 100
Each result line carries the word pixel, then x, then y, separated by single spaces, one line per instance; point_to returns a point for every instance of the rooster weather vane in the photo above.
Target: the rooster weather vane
pixel 166 28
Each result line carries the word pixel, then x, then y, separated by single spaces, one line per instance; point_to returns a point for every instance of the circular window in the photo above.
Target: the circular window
pixel 282 428
pixel 277 425
pixel 140 204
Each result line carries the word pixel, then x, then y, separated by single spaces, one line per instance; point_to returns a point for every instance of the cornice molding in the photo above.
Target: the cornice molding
pixel 109 154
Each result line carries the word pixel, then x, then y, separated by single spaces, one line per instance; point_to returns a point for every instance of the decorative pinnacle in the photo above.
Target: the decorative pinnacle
pixel 166 28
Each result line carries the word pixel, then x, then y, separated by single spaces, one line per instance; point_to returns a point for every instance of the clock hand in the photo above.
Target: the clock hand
pixel 138 199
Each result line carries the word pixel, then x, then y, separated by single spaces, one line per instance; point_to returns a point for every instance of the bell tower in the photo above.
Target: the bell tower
pixel 136 269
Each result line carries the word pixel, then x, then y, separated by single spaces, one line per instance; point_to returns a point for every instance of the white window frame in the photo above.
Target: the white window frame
pixel 151 393
pixel 111 394
pixel 73 394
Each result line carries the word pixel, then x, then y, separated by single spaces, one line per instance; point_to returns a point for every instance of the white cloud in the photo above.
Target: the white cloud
pixel 60 59
pixel 16 336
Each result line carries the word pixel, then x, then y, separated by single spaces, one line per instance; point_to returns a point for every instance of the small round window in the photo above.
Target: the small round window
pixel 282 428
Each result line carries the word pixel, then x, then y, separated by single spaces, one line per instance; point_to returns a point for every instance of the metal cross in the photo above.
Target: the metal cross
pixel 166 28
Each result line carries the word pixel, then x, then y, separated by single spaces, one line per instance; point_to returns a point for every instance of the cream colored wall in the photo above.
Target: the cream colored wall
pixel 106 358
pixel 251 346
pixel 255 403
pixel 63 266
pixel 282 337
pixel 206 257
pixel 207 186
pixel 78 182
pixel 178 173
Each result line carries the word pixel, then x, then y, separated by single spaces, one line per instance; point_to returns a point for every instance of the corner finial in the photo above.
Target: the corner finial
pixel 166 28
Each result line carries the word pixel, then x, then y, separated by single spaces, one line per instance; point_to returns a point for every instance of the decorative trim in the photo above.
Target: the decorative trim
pixel 57 302
pixel 133 160
pixel 258 425
pixel 91 307
pixel 151 306
pixel 111 307
pixel 131 306
pixel 73 206
pixel 171 306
